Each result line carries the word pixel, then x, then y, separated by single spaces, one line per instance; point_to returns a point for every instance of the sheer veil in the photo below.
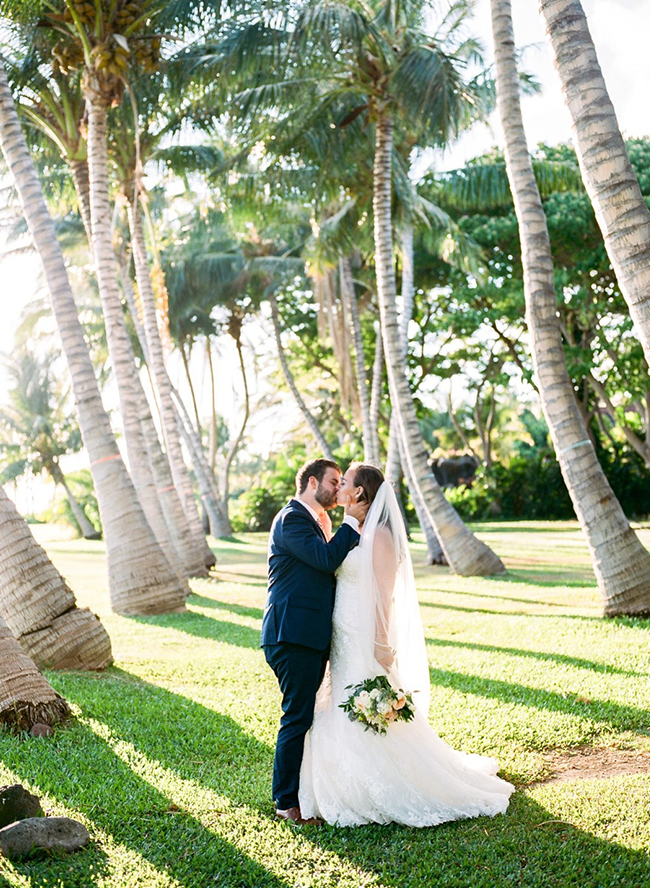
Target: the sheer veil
pixel 388 610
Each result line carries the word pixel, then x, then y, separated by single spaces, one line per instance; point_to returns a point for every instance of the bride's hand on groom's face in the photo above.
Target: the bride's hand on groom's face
pixel 354 509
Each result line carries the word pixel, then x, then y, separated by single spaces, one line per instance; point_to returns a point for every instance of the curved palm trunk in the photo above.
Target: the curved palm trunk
pixel 88 531
pixel 370 452
pixel 162 557
pixel 191 545
pixel 39 607
pixel 136 585
pixel 621 563
pixel 293 388
pixel 156 360
pixel 465 553
pixel 611 183
pixel 26 698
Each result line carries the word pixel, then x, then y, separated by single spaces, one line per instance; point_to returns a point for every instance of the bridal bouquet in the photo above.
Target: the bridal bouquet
pixel 376 704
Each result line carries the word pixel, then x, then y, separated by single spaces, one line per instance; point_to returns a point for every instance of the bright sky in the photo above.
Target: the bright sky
pixel 620 30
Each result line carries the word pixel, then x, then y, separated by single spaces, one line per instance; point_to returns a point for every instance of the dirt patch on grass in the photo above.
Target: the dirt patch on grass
pixel 594 763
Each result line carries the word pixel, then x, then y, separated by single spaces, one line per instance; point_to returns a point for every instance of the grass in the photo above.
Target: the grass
pixel 169 760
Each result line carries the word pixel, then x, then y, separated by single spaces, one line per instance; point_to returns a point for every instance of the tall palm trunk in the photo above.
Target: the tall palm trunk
pixel 611 183
pixel 156 361
pixel 136 584
pixel 189 539
pixel 26 698
pixel 234 329
pixel 370 451
pixel 621 563
pixel 291 384
pixel 465 553
pixel 38 605
pixel 396 462
pixel 162 556
pixel 375 395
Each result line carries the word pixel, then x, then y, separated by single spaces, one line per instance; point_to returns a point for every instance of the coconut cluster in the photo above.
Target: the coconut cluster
pixel 119 43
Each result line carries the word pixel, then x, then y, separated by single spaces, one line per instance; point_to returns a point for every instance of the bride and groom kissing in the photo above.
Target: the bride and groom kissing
pixel 342 611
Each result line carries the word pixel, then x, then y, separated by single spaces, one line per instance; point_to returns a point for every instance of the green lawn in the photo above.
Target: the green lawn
pixel 169 760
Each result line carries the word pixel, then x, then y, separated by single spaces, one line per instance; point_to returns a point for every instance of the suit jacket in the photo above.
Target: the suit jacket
pixel 301 564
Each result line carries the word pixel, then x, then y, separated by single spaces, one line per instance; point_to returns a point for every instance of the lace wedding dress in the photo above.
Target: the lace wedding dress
pixel 409 775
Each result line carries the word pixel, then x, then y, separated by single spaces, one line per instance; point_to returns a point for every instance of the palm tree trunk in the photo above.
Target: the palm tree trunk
pixel 293 388
pixel 370 454
pixel 156 361
pixel 88 531
pixel 621 563
pixel 375 397
pixel 465 553
pixel 162 557
pixel 611 183
pixel 136 585
pixel 235 332
pixel 38 605
pixel 191 545
pixel 212 456
pixel 26 698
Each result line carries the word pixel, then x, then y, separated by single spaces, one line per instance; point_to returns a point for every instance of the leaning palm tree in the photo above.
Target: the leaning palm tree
pixel 38 605
pixel 377 60
pixel 621 563
pixel 26 698
pixel 140 578
pixel 612 185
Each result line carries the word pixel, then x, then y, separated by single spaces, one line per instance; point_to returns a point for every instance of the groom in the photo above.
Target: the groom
pixel 297 623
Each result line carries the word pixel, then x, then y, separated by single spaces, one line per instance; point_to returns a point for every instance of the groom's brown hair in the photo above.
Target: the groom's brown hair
pixel 313 468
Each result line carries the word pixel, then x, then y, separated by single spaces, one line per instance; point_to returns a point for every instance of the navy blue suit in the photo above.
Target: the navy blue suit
pixel 297 629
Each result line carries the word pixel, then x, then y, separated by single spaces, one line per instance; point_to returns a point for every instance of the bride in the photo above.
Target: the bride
pixel 409 775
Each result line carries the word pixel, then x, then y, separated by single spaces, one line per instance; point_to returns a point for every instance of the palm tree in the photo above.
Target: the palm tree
pixel 613 188
pixel 39 606
pixel 621 563
pixel 26 698
pixel 140 579
pixel 39 429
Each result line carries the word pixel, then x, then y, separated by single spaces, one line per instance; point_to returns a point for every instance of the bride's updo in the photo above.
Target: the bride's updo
pixel 370 478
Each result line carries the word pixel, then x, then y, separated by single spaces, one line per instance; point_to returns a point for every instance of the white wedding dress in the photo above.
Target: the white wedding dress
pixel 351 776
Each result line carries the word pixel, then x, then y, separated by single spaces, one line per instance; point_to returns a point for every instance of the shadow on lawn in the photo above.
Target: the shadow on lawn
pixel 620 716
pixel 201 626
pixel 193 741
pixel 508 613
pixel 527 846
pixel 562 659
pixel 241 609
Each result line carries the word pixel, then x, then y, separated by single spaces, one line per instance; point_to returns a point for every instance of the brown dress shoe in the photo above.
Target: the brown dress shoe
pixel 294 816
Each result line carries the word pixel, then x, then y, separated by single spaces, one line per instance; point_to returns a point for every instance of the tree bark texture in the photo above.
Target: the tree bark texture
pixel 135 586
pixel 621 563
pixel 370 452
pixel 26 697
pixel 465 553
pixel 611 183
pixel 38 605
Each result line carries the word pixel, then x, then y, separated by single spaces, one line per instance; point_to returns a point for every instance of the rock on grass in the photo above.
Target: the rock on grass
pixel 16 803
pixel 30 837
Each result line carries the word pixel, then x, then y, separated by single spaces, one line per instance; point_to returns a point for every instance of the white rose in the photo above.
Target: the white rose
pixel 363 700
pixel 375 693
pixel 384 708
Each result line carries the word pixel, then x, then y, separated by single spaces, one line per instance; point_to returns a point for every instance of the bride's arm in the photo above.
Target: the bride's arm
pixel 384 562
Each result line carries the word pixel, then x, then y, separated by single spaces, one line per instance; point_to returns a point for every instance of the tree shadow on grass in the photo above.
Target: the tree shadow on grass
pixel 81 770
pixel 201 626
pixel 508 613
pixel 619 716
pixel 562 659
pixel 526 847
pixel 243 610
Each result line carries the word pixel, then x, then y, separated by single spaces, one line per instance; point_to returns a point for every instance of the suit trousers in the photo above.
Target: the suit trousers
pixel 299 671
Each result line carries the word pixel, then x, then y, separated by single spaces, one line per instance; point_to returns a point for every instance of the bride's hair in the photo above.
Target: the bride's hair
pixel 370 478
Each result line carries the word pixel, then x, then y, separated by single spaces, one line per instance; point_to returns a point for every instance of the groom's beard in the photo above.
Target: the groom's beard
pixel 327 499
